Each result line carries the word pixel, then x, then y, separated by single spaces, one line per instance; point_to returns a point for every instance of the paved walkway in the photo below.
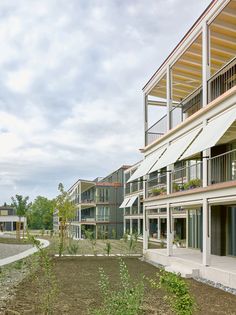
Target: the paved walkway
pixel 19 252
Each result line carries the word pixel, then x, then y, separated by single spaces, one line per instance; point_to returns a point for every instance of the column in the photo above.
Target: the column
pixel 168 97
pixel 138 226
pixel 158 228
pixel 205 78
pixel 206 250
pixel 131 227
pixel 124 226
pixel 145 229
pixel 169 231
pixel 145 119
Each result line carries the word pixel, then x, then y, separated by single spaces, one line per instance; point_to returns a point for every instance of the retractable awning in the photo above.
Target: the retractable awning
pixel 211 133
pixel 147 164
pixel 175 150
pixel 124 203
pixel 131 201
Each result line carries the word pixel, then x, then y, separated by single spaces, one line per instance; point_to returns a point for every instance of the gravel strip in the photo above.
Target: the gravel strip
pixel 7 250
pixel 216 285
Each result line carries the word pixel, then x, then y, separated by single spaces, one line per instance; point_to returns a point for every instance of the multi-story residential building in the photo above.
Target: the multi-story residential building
pixel 157 217
pixel 191 150
pixel 9 220
pixel 98 204
pixel 133 203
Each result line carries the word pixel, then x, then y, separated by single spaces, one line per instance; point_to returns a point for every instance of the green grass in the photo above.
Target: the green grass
pixel 11 240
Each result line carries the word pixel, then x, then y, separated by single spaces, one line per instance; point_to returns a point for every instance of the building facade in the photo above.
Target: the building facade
pixel 190 150
pixel 97 203
pixel 9 220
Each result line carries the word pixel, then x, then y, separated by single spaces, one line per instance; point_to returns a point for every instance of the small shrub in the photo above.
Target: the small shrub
pixel 108 248
pixel 73 248
pixel 158 191
pixel 125 300
pixel 125 237
pixel 179 298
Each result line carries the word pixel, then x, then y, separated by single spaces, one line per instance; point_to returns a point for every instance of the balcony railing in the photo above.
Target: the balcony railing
pixel 103 218
pixel 219 83
pixel 222 81
pixel 88 219
pixel 186 178
pixel 157 185
pixel 159 128
pixel 222 168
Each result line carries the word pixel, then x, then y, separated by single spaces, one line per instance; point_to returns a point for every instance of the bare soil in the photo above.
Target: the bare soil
pixel 78 278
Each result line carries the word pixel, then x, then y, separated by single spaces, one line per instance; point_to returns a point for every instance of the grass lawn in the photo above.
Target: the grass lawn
pixel 12 240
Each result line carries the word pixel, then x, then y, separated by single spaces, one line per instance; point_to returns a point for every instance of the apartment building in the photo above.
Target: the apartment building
pixel 156 218
pixel 190 150
pixel 132 204
pixel 9 220
pixel 98 203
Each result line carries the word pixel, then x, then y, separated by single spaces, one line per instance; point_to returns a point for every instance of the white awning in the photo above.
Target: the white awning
pixel 175 150
pixel 147 164
pixel 131 201
pixel 124 203
pixel 211 133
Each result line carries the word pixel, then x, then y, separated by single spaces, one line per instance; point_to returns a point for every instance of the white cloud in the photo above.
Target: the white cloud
pixel 71 79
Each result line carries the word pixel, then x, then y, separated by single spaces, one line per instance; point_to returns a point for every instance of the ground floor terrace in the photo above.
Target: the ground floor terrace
pixel 99 230
pixel 202 242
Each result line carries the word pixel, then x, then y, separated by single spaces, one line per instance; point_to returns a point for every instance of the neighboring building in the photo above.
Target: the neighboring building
pixel 98 204
pixel 133 203
pixel 191 151
pixel 9 220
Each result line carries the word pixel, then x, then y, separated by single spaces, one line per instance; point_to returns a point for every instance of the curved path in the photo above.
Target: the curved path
pixel 23 254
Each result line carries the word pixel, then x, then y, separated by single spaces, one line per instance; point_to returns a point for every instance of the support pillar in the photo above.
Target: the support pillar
pixel 169 97
pixel 169 232
pixel 131 227
pixel 145 119
pixel 145 229
pixel 206 248
pixel 158 228
pixel 138 226
pixel 124 226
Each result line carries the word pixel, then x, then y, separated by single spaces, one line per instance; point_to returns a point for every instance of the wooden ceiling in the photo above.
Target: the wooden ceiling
pixel 187 71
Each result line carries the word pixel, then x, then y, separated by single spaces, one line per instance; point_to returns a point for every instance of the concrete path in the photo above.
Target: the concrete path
pixel 23 254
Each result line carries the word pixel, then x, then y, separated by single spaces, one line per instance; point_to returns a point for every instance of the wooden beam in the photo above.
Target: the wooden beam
pixel 226 39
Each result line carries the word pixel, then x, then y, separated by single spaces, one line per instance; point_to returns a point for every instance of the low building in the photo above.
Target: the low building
pixel 9 221
pixel 98 203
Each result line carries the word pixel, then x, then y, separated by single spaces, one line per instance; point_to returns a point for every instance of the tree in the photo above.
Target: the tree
pixel 66 212
pixel 21 206
pixel 40 215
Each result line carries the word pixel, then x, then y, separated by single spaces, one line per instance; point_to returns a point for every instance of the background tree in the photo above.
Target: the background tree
pixel 21 205
pixel 40 214
pixel 66 212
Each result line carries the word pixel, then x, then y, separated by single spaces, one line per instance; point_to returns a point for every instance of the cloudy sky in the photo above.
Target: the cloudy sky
pixel 71 78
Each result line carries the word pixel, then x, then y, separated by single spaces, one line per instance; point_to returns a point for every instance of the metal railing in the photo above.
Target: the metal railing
pixel 192 103
pixel 102 218
pixel 219 83
pixel 159 128
pixel 157 185
pixel 222 80
pixel 222 168
pixel 187 177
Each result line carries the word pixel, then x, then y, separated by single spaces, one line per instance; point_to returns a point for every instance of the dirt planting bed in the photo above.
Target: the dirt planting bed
pixel 78 291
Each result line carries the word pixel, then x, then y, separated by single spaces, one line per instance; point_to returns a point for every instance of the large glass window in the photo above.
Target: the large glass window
pixel 103 213
pixel 103 195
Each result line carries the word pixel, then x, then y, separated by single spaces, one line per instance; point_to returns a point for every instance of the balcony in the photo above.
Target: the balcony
pixel 222 168
pixel 186 178
pixel 102 218
pixel 219 83
pixel 156 185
